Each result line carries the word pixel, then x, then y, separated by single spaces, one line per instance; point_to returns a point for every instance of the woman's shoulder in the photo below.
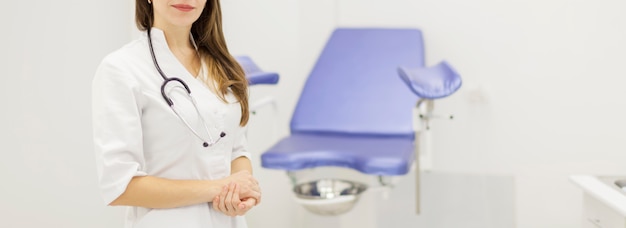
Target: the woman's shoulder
pixel 127 54
pixel 123 63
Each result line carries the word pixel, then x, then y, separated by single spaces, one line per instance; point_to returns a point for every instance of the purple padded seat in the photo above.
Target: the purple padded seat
pixel 254 74
pixel 354 110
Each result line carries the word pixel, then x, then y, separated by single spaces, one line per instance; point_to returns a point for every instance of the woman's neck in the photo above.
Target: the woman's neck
pixel 179 42
pixel 177 37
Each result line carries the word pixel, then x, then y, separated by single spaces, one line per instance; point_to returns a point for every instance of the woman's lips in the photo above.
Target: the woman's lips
pixel 183 7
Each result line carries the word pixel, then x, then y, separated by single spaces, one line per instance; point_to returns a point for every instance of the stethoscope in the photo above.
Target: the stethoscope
pixel 166 80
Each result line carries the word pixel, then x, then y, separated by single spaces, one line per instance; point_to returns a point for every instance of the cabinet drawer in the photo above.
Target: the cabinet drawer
pixel 596 214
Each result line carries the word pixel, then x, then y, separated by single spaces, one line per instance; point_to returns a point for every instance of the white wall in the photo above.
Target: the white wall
pixel 542 95
pixel 549 73
pixel 50 52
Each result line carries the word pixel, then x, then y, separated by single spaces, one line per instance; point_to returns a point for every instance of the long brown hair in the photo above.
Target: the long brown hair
pixel 208 35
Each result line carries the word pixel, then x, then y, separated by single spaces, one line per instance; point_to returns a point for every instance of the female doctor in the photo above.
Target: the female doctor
pixel 169 117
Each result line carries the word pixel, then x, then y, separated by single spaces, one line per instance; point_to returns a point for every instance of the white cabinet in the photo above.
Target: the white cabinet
pixel 604 204
pixel 596 214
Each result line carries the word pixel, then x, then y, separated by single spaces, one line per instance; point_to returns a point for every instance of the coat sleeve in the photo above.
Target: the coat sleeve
pixel 240 148
pixel 117 132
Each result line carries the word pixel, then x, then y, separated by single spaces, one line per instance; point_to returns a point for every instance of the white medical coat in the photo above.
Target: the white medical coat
pixel 137 134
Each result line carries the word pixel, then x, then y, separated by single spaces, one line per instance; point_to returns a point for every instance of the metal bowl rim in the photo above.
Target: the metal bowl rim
pixel 354 185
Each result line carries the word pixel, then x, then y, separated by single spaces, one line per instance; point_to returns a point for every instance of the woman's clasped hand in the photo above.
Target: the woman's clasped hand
pixel 239 195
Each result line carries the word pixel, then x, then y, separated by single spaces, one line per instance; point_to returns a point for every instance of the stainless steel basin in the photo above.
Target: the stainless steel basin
pixel 328 196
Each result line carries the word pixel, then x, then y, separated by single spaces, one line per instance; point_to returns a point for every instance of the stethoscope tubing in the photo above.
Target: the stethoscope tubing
pixel 170 103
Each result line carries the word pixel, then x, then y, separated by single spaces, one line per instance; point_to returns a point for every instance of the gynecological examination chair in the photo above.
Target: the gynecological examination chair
pixel 366 102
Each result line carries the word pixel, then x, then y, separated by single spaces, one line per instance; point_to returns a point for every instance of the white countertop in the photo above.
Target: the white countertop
pixel 602 191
